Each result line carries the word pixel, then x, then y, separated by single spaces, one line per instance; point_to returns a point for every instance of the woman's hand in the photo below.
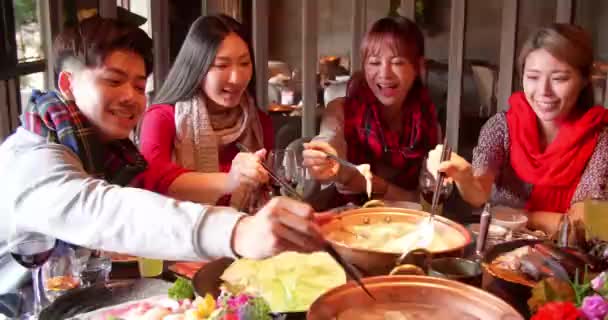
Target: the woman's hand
pixel 457 168
pixel 474 189
pixel 315 159
pixel 247 170
pixel 282 224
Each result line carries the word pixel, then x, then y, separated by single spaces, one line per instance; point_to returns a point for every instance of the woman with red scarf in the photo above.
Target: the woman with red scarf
pixel 386 120
pixel 549 151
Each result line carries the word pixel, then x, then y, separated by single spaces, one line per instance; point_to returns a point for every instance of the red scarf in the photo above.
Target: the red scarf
pixel 556 172
pixel 371 142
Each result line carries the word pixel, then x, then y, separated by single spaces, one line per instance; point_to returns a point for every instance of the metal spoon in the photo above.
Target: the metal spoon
pixel 341 161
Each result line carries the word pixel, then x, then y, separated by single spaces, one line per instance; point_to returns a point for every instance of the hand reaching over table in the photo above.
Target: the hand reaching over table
pixel 283 224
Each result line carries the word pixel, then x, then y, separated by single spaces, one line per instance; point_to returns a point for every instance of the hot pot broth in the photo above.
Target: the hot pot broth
pixel 402 311
pixel 393 236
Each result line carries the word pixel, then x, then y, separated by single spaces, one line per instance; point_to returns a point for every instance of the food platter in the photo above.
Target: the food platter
pixel 207 280
pixel 102 295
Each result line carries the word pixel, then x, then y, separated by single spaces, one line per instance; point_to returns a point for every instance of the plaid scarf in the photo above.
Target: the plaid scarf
pixel 369 141
pixel 59 121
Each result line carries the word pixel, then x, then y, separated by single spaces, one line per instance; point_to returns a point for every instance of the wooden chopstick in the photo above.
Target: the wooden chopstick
pixel 446 153
pixel 272 175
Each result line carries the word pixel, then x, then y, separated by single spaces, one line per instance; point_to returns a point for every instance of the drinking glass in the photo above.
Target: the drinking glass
pixel 149 268
pixel 284 164
pixel 304 180
pixel 97 269
pixel 596 223
pixel 427 184
pixel 31 250
pixel 61 272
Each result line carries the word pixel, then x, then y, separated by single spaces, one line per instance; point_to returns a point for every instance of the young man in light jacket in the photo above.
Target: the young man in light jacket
pixel 69 170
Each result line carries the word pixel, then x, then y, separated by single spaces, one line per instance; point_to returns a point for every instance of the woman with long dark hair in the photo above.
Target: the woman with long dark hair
pixel 386 119
pixel 204 108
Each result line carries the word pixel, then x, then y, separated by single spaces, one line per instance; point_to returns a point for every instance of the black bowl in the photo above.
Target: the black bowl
pixel 207 280
pixel 516 294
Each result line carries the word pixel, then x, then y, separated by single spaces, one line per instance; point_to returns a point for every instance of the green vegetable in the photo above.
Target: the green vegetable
pixel 289 282
pixel 181 289
pixel 257 309
pixel 548 290
pixel 581 290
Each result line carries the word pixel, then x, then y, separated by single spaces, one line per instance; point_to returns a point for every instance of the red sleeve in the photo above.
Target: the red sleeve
pixel 156 144
pixel 268 130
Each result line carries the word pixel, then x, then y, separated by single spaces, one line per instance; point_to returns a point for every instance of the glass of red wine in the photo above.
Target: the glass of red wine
pixel 31 250
pixel 427 184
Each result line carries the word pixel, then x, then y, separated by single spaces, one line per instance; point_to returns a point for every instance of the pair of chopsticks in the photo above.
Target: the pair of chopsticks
pixel 348 268
pixel 427 224
pixel 446 153
pixel 273 175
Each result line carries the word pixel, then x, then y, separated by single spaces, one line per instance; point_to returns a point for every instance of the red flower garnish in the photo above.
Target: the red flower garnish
pixel 557 311
pixel 231 316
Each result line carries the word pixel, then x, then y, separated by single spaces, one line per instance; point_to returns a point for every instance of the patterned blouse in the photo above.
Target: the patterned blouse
pixel 492 154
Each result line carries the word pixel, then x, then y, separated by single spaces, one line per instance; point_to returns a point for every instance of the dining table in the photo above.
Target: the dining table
pixel 454 208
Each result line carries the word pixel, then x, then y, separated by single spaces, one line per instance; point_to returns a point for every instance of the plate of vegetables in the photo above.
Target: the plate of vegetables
pixel 151 299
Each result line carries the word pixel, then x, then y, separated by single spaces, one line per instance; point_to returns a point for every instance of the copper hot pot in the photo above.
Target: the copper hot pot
pixel 414 294
pixel 374 262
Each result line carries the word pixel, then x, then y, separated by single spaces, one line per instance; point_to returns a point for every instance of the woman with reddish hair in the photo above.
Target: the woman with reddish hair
pixel 549 151
pixel 386 119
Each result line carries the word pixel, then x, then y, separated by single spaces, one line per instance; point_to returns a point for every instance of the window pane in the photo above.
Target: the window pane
pixel 29 82
pixel 27 30
pixel 333 46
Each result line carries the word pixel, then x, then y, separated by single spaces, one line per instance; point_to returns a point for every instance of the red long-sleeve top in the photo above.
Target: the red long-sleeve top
pixel 157 138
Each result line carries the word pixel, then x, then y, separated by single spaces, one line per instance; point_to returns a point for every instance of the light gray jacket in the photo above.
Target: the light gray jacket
pixel 44 188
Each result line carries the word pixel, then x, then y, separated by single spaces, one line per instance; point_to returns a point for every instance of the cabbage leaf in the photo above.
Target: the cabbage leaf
pixel 289 282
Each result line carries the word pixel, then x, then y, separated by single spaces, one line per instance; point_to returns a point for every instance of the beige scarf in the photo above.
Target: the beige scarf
pixel 199 137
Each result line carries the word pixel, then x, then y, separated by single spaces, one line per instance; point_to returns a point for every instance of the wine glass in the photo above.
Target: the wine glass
pixel 283 162
pixel 61 272
pixel 304 180
pixel 31 250
pixel 427 184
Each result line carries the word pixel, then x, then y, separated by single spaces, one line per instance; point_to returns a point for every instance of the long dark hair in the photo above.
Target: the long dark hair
pixel 398 32
pixel 570 44
pixel 196 57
